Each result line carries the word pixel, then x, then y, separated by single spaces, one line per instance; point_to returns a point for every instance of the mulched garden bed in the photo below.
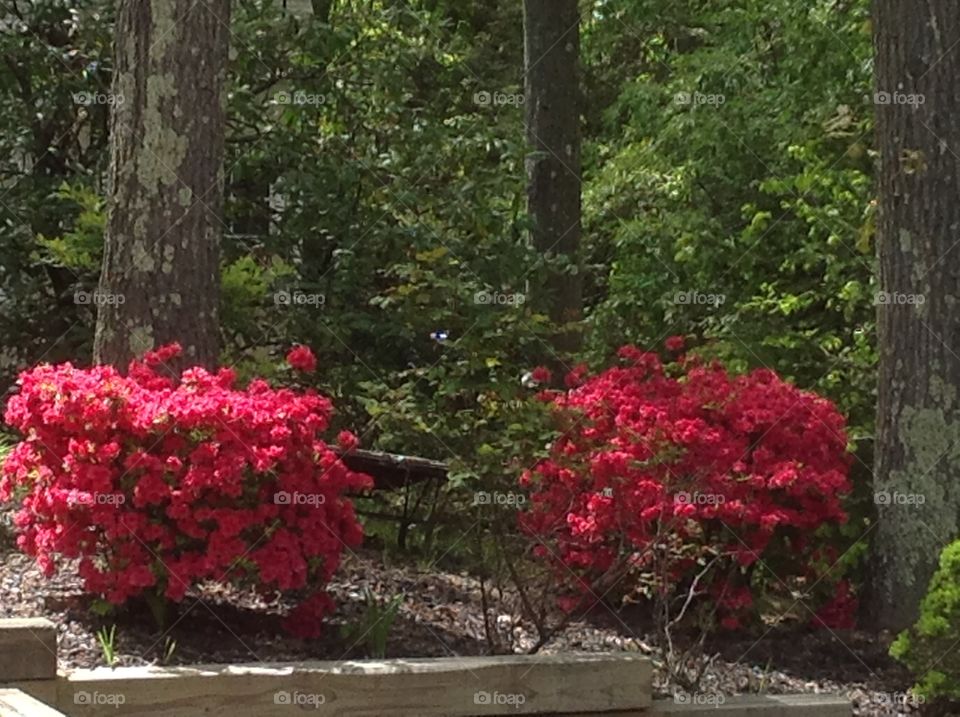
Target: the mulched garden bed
pixel 441 616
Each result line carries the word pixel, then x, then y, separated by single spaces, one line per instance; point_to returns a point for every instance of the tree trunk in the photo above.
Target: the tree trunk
pixel 551 58
pixel 160 278
pixel 918 415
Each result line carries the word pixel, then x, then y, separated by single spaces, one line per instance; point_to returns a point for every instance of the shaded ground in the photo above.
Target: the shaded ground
pixel 441 615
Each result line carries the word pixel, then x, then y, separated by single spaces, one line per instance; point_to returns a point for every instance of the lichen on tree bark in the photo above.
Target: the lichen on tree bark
pixel 161 259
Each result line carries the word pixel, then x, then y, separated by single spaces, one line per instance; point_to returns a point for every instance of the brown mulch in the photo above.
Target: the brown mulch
pixel 441 615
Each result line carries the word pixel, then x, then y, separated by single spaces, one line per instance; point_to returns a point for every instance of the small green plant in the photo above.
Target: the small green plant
pixel 931 640
pixel 108 644
pixel 373 627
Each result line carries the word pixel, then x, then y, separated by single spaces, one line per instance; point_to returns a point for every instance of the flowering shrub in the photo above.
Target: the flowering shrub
pixel 685 461
pixel 157 484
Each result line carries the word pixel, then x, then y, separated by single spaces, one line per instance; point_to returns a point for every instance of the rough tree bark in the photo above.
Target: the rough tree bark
pixel 160 278
pixel 918 414
pixel 551 65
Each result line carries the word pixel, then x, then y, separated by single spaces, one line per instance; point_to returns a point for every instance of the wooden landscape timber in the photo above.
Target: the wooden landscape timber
pixel 566 685
pixel 28 649
pixel 442 687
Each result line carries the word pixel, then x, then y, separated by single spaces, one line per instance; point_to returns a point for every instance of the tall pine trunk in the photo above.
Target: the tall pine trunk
pixel 160 278
pixel 918 415
pixel 551 65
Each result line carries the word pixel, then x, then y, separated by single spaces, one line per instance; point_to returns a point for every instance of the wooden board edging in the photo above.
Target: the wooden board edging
pixel 429 687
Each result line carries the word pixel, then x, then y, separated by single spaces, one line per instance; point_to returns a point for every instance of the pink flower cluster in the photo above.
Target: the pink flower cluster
pixel 157 483
pixel 687 456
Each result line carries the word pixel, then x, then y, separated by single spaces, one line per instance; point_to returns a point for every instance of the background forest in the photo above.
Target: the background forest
pixel 375 163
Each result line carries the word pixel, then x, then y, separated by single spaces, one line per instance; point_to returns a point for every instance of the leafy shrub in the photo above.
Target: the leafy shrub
pixel 157 484
pixel 928 647
pixel 686 478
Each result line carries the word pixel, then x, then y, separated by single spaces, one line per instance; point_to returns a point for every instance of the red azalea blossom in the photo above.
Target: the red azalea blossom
pixel 575 376
pixel 302 359
pixel 675 343
pixel 730 622
pixel 156 485
pixel 541 374
pixel 713 464
pixel 162 355
pixel 306 620
pixel 347 440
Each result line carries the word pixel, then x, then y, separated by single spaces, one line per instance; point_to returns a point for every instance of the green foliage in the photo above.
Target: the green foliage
pixel 247 289
pixel 928 647
pixel 57 54
pixel 78 249
pixel 741 170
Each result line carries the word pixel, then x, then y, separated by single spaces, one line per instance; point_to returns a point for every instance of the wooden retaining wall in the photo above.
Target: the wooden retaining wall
pixel 583 684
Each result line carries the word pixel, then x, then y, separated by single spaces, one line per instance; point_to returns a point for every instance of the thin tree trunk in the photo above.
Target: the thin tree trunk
pixel 918 414
pixel 160 278
pixel 551 63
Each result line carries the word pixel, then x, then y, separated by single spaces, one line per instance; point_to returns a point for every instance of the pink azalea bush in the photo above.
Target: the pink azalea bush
pixel 157 483
pixel 668 468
